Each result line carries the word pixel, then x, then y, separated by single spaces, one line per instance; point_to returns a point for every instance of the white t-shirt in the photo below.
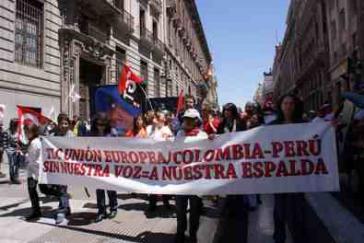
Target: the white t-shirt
pixel 160 134
pixel 33 158
pixel 200 136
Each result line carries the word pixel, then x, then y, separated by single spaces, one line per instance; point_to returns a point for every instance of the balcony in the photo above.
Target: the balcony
pixel 101 7
pixel 177 22
pixel 144 3
pixel 182 31
pixel 94 31
pixel 156 5
pixel 124 24
pixel 189 45
pixel 158 47
pixel 146 38
pixel 171 8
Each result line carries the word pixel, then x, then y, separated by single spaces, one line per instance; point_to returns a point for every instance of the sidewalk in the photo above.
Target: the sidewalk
pixel 132 224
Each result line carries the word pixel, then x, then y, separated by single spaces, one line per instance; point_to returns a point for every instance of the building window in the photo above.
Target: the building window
pixel 354 6
pixel 354 40
pixel 155 31
pixel 169 88
pixel 157 83
pixel 333 30
pixel 144 72
pixel 342 20
pixel 119 4
pixel 29 32
pixel 120 60
pixel 142 22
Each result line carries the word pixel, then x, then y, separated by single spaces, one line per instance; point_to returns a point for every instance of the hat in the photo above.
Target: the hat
pixel 192 113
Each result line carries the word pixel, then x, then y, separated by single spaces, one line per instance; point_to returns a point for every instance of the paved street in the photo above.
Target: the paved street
pixel 131 225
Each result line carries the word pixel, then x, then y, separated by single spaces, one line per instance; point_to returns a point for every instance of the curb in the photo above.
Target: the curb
pixel 340 223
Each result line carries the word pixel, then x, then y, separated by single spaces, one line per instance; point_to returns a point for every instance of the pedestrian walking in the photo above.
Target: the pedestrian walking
pixel 234 218
pixel 290 110
pixel 190 132
pixel 64 209
pixel 14 150
pixel 101 128
pixel 253 119
pixel 33 161
pixel 2 133
pixel 159 131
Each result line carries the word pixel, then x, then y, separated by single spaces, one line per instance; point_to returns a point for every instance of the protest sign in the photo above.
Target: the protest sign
pixel 272 159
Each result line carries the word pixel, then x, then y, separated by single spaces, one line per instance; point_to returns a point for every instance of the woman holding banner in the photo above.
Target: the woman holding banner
pixel 101 128
pixel 159 131
pixel 139 128
pixel 60 191
pixel 235 210
pixel 288 206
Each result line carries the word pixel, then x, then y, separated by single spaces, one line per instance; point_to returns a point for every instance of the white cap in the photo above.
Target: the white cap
pixel 192 113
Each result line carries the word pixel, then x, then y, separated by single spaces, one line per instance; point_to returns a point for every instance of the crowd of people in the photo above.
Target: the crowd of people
pixel 194 123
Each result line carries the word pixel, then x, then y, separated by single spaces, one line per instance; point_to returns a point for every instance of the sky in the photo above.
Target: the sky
pixel 242 35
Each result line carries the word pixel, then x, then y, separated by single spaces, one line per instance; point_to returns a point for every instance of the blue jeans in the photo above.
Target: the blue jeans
pixel 64 203
pixel 14 163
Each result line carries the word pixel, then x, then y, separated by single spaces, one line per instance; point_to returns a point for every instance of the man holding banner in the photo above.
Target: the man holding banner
pixel 285 158
pixel 190 132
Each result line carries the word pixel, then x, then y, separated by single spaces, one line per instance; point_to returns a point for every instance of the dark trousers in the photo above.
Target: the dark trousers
pixel 195 213
pixel 14 164
pixel 101 204
pixel 153 200
pixel 33 194
pixel 233 224
pixel 289 207
pixel 280 217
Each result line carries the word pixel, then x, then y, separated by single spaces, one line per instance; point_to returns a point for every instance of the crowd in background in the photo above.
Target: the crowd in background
pixel 161 125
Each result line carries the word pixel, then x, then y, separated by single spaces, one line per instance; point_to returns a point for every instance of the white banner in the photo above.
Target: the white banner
pixel 272 159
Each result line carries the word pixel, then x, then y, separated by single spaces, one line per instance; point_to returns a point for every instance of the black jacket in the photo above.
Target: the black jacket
pixel 240 126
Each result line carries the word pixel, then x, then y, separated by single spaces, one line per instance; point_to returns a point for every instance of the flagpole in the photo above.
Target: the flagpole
pixel 146 95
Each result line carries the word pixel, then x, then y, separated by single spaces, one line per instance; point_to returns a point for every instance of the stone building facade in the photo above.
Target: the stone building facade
pixel 345 25
pixel 30 65
pixel 285 68
pixel 50 47
pixel 314 58
pixel 312 54
pixel 188 57
pixel 302 61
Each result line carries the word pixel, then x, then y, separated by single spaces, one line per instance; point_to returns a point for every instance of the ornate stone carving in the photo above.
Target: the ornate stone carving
pixel 75 45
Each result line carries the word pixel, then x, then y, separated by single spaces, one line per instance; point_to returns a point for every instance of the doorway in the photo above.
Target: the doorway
pixel 91 75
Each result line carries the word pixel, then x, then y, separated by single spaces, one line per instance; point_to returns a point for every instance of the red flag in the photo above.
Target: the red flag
pixel 181 101
pixel 127 75
pixel 28 116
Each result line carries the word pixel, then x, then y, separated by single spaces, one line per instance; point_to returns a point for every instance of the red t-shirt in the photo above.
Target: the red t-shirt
pixel 207 126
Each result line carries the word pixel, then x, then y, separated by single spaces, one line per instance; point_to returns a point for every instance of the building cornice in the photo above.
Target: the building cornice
pixel 198 25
